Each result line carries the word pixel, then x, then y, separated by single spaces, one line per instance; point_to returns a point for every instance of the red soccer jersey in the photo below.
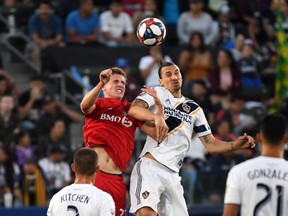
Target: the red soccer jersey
pixel 110 126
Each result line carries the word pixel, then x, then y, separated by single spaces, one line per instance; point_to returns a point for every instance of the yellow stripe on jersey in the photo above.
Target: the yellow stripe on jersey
pixel 195 111
pixel 176 104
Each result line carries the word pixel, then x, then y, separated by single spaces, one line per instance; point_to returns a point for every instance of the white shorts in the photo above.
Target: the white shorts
pixel 156 186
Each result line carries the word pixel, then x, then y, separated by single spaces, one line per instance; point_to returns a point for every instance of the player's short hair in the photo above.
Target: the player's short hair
pixel 162 65
pixel 274 128
pixel 117 70
pixel 85 161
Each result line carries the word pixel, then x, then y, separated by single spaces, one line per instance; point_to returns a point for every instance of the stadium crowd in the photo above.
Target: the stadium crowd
pixel 228 60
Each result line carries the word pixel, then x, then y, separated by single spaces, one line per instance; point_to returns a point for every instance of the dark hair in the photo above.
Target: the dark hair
pixel 162 65
pixel 46 2
pixel 273 127
pixel 37 78
pixel 115 2
pixel 81 2
pixel 85 161
pixel 19 136
pixel 201 37
pixel 117 70
pixel 229 55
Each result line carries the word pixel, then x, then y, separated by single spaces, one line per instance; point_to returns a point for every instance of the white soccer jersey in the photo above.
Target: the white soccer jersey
pixel 81 200
pixel 260 186
pixel 182 116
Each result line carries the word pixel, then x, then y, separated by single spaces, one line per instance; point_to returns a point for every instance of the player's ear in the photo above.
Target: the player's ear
pixel 259 137
pixel 97 169
pixel 73 167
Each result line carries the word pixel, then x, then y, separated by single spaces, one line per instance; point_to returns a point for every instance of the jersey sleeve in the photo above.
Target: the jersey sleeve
pixel 50 207
pixel 201 126
pixel 108 206
pixel 232 193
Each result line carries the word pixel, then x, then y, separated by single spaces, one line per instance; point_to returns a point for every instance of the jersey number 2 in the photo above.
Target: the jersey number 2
pixel 262 202
pixel 74 209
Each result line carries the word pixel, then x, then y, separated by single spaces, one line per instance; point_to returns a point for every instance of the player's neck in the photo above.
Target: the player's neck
pixel 176 94
pixel 84 180
pixel 272 151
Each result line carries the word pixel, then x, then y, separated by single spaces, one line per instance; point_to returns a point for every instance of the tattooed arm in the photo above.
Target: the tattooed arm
pixel 215 146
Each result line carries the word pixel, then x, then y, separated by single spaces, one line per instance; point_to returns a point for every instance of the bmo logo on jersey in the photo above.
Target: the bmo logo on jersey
pixel 125 121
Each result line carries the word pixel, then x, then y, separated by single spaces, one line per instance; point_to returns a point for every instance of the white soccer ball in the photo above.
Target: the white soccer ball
pixel 151 32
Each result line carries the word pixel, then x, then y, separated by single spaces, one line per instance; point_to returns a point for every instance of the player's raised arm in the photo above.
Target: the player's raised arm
pixel 88 102
pixel 152 92
pixel 214 145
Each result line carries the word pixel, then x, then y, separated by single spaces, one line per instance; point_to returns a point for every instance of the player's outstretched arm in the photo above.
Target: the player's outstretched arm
pixel 88 102
pixel 215 146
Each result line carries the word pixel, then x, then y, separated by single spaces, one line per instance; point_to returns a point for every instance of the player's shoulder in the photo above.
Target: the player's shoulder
pixel 191 102
pixel 100 193
pixel 245 165
pixel 160 89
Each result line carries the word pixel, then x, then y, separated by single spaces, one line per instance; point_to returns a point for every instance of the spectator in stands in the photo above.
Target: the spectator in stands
pixel 56 170
pixel 7 85
pixel 9 172
pixel 45 30
pixel 200 93
pixel 238 47
pixel 195 61
pixel 195 20
pixel 23 148
pixel 170 10
pixel 224 78
pixel 31 103
pixel 83 25
pixel 234 114
pixel 53 110
pixel 56 137
pixel 132 83
pixel 132 6
pixel 9 121
pixel 224 28
pixel 116 26
pixel 150 10
pixel 32 184
pixel 248 12
pixel 250 67
pixel 148 66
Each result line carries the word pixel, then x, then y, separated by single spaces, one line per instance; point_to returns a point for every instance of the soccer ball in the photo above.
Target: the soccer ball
pixel 151 32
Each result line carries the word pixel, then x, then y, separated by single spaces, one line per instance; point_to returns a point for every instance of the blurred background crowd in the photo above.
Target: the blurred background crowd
pixel 229 53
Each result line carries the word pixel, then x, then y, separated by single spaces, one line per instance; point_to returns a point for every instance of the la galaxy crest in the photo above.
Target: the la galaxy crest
pixel 186 107
pixel 145 194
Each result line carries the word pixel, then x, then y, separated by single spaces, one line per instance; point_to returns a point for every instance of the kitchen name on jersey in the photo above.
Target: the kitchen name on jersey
pixel 75 197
